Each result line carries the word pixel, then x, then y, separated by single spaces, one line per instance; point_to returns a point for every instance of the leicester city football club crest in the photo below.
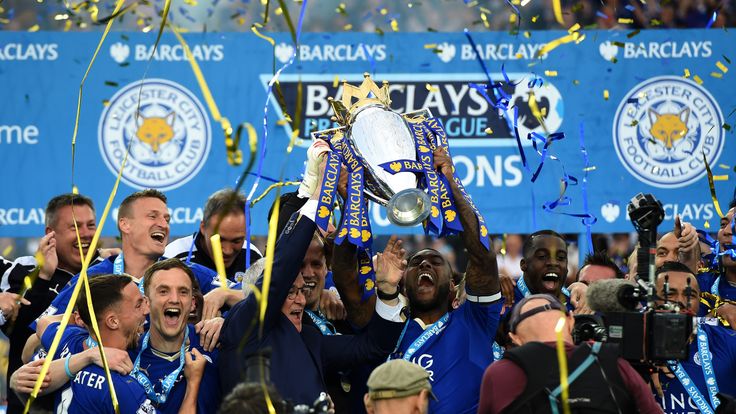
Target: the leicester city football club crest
pixel 662 128
pixel 169 138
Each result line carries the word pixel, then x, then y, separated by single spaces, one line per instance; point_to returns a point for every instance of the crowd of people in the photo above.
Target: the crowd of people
pixel 430 337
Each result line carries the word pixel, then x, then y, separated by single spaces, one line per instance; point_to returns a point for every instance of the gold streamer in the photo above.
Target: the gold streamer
pixel 557 8
pixel 562 361
pixel 551 45
pixel 712 186
pixel 234 154
pixel 271 187
pixel 219 262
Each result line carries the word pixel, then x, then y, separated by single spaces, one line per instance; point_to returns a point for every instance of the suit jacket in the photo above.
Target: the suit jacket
pixel 299 360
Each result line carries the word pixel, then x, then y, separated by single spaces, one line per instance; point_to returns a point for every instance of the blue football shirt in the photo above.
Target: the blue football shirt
pixel 457 356
pixel 157 365
pixel 722 344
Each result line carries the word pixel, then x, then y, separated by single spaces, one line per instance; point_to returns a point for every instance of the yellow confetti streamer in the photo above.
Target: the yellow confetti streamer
pixel 219 261
pixel 8 249
pixel 394 25
pixel 430 45
pixel 605 94
pixel 431 88
pixel 557 9
pixel 712 188
pixel 720 177
pixel 558 42
pixel 335 81
pixel 724 166
pixel 588 169
pixel 706 224
pixel 623 20
pixel 254 28
pixel 527 34
pixel 721 66
pixel 717 75
pixel 34 28
pixel 697 79
pixel 271 187
pixel 488 131
pixel 485 20
pixel 687 73
pixel 535 18
pixel 550 73
pixel 562 361
pixel 348 27
pixel 574 28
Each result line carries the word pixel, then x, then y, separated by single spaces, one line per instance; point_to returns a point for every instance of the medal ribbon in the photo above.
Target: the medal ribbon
pixel 710 379
pixel 168 382
pixel 432 331
pixel 431 180
pixel 324 326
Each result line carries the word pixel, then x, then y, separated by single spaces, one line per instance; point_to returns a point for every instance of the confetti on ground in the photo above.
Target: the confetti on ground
pixel 605 94
pixel 721 66
pixel 551 73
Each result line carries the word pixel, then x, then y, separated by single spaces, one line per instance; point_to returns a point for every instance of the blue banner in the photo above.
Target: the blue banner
pixel 650 106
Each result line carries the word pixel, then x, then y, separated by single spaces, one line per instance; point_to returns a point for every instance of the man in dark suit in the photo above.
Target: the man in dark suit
pixel 301 355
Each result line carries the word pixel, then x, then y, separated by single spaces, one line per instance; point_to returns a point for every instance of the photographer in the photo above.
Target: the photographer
pixel 712 351
pixel 522 380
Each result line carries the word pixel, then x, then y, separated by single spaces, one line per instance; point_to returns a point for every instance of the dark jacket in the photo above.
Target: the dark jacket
pixel 299 360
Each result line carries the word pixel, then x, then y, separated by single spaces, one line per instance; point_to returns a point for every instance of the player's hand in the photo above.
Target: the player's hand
pixel 727 311
pixel 10 304
pixel 507 289
pixel 118 360
pixel 209 332
pixel 213 301
pixel 578 298
pixel 194 365
pixel 390 264
pixel 24 378
pixel 47 248
pixel 443 162
pixel 331 306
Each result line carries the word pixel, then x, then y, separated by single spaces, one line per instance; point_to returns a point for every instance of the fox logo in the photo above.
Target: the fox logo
pixel 669 128
pixel 155 131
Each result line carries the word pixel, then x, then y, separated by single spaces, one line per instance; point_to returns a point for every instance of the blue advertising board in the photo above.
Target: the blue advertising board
pixel 646 120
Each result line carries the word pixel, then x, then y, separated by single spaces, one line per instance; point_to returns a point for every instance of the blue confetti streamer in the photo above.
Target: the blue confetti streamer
pixel 712 20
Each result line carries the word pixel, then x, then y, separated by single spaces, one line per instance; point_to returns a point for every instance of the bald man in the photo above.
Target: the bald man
pixel 520 381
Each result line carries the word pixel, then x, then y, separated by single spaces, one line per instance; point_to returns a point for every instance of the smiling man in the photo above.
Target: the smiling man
pixel 60 248
pixel 544 266
pixel 158 363
pixel 143 221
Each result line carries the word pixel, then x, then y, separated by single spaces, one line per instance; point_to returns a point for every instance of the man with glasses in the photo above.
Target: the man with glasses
pixel 527 379
pixel 302 354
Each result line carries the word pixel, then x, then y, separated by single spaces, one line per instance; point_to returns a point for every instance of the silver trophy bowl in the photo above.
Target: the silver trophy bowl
pixel 379 135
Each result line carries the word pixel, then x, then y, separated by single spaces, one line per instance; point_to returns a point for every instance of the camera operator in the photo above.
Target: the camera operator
pixel 681 386
pixel 600 381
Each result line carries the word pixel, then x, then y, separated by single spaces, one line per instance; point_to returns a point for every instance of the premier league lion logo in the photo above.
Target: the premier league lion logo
pixel 168 133
pixel 662 128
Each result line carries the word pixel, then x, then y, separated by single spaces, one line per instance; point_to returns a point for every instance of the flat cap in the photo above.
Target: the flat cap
pixel 398 378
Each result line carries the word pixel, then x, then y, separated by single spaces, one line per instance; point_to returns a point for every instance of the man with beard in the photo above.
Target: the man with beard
pixel 60 249
pixel 143 221
pixel 691 384
pixel 224 212
pixel 454 346
pixel 120 312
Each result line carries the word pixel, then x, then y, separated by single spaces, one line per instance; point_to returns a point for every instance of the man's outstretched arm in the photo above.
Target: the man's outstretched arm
pixel 481 275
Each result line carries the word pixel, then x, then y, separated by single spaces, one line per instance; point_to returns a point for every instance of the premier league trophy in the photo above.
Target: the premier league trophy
pixel 389 159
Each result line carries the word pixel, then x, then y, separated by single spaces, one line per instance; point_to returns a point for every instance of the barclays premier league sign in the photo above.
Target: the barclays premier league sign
pixel 649 111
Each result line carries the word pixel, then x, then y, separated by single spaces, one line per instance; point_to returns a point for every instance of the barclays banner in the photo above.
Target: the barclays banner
pixel 648 110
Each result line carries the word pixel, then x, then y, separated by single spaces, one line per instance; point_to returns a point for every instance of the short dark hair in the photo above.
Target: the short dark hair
pixel 106 292
pixel 167 264
pixel 249 398
pixel 530 240
pixel 670 266
pixel 63 200
pixel 601 259
pixel 223 202
pixel 125 205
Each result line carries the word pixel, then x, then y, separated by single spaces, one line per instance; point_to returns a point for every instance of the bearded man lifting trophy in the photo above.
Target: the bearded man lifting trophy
pixel 389 160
